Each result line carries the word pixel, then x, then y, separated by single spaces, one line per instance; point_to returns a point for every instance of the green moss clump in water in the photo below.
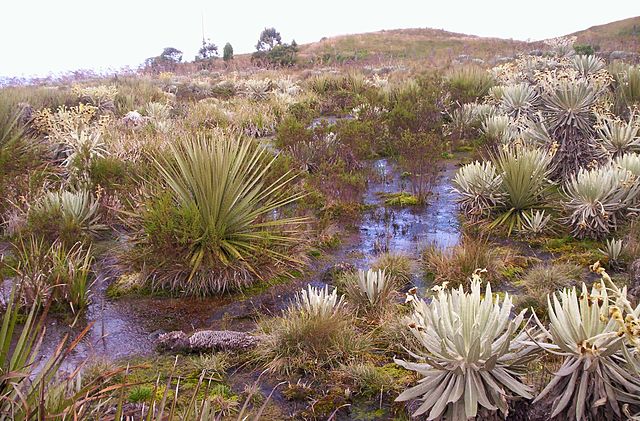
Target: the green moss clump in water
pixel 297 392
pixel 465 148
pixel 127 284
pixel 400 199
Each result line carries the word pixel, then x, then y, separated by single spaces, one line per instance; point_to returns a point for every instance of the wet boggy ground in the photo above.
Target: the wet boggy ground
pixel 129 326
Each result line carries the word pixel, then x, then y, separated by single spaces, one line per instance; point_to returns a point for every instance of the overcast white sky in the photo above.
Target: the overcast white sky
pixel 39 37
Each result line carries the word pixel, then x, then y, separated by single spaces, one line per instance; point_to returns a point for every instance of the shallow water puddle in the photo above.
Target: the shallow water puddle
pixel 129 326
pixel 406 229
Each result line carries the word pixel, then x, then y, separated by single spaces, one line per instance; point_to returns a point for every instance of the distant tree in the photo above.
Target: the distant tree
pixel 269 38
pixel 208 51
pixel 271 51
pixel 166 61
pixel 171 54
pixel 283 55
pixel 227 52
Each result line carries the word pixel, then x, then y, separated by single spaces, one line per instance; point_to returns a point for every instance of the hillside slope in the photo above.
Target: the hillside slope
pixel 433 45
pixel 618 35
pixel 438 46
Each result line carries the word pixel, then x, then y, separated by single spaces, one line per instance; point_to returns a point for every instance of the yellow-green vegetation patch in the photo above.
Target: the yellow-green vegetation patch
pixel 150 377
pixel 399 199
pixel 582 252
pixel 511 272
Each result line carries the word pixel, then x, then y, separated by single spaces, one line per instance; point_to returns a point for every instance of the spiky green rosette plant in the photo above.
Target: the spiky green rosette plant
pixel 222 224
pixel 590 331
pixel 518 100
pixel 619 137
pixel 478 186
pixel 371 292
pixel 525 183
pixel 512 185
pixel 474 353
pixel 567 112
pixel 597 198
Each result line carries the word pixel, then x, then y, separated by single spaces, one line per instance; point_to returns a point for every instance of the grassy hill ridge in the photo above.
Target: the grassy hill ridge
pixel 437 45
pixel 619 35
pixel 417 43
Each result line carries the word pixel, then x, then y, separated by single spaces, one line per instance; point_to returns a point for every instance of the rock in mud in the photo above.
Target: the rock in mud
pixel 175 341
pixel 207 341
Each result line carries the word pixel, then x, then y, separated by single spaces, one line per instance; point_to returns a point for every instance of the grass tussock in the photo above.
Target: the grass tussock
pixel 544 279
pixel 398 267
pixel 455 265
pixel 315 332
pixel 53 273
pixel 372 292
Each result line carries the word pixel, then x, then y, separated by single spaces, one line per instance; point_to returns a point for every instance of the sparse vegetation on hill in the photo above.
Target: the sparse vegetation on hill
pixel 622 35
pixel 433 46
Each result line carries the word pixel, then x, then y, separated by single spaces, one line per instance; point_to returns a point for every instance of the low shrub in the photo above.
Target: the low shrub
pixel 420 157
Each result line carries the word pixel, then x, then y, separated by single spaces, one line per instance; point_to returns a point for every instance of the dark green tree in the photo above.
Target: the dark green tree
pixel 227 52
pixel 271 51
